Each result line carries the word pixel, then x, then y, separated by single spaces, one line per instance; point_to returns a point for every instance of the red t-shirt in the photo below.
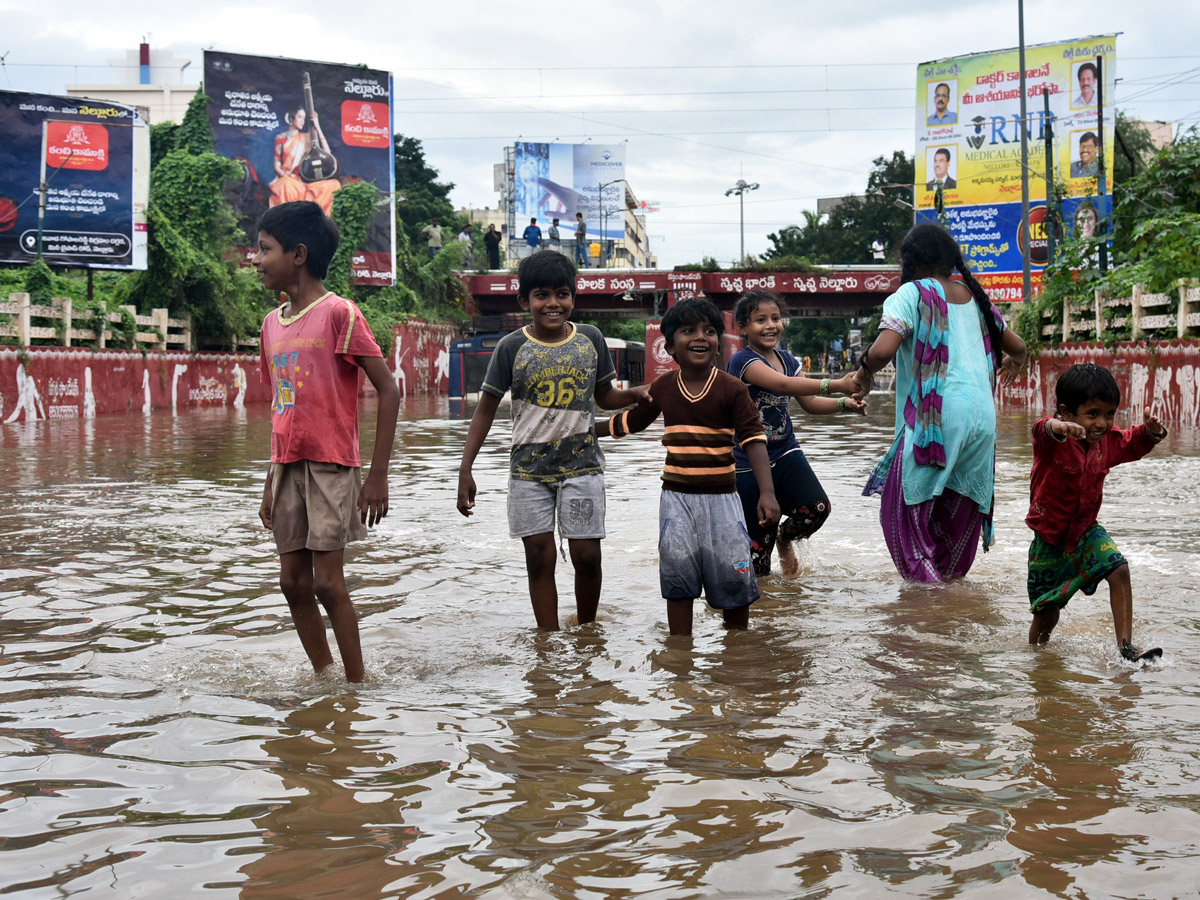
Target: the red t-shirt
pixel 309 360
pixel 1066 485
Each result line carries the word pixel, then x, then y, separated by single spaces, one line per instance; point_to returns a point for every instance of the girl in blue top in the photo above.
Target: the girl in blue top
pixel 772 376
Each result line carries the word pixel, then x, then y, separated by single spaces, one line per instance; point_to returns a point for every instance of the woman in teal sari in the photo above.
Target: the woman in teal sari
pixel 949 342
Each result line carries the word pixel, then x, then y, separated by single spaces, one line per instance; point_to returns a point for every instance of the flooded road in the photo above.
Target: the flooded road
pixel 161 731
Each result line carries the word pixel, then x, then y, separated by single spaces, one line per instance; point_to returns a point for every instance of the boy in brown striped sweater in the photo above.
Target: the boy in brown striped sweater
pixel 703 545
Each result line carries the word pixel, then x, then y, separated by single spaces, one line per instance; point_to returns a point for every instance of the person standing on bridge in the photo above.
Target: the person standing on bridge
pixel 937 480
pixel 773 378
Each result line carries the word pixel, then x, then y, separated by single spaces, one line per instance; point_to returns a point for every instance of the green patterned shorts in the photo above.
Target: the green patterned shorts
pixel 1056 574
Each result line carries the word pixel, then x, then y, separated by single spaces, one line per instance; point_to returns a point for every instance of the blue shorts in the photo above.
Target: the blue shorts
pixel 703 548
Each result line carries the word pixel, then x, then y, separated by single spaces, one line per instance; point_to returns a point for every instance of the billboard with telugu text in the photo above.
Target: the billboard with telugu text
pixel 968 145
pixel 95 158
pixel 555 181
pixel 301 130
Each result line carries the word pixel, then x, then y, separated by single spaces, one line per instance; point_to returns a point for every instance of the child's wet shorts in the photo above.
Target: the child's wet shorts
pixel 314 506
pixel 1055 574
pixel 578 503
pixel 703 547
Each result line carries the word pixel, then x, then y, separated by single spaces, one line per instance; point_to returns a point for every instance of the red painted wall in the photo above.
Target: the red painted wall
pixel 1164 375
pixel 81 383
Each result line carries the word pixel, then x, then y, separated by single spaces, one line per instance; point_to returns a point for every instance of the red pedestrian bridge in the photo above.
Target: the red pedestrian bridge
pixel 647 293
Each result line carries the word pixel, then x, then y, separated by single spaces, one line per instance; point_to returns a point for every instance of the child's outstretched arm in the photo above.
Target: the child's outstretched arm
pixel 824 406
pixel 1156 428
pixel 1061 430
pixel 762 375
pixel 760 464
pixel 481 424
pixel 373 498
pixel 609 397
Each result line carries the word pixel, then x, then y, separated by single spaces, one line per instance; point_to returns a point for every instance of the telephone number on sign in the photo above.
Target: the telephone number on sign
pixel 1008 294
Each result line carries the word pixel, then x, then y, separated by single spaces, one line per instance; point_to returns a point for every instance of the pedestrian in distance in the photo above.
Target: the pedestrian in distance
pixel 773 378
pixel 433 237
pixel 555 239
pixel 491 243
pixel 581 257
pixel 467 240
pixel 703 546
pixel 314 500
pixel 1071 551
pixel 937 479
pixel 532 236
pixel 554 370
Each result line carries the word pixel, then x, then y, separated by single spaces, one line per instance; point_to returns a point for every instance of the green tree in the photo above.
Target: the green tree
pixel 420 197
pixel 845 237
pixel 195 133
pixel 1134 148
pixel 1155 241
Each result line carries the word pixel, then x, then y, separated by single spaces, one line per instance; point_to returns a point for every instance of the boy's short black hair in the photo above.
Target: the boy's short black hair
pixel 690 312
pixel 303 222
pixel 545 269
pixel 1084 382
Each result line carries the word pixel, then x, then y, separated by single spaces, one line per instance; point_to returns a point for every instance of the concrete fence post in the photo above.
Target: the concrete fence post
pixel 160 323
pixel 22 298
pixel 1135 313
pixel 66 321
pixel 1182 314
pixel 101 317
pixel 1098 307
pixel 1066 322
pixel 187 331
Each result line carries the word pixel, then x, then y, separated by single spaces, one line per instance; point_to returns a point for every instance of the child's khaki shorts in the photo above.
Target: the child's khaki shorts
pixel 314 506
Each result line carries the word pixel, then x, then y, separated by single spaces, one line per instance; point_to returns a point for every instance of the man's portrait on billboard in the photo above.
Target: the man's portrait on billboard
pixel 939 103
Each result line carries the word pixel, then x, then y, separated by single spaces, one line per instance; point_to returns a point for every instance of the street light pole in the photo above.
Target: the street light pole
pixel 604 215
pixel 740 189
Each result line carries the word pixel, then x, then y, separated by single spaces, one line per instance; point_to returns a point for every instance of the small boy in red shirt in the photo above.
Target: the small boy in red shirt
pixel 1072 453
pixel 314 501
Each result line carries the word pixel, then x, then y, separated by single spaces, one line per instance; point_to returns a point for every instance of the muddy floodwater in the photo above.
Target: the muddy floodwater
pixel 161 733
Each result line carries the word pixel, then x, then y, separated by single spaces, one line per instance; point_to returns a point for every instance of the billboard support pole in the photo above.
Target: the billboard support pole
pixel 1051 191
pixel 1101 184
pixel 42 186
pixel 1026 276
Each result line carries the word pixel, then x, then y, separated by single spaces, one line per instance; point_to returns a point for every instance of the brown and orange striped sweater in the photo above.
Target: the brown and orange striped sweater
pixel 700 430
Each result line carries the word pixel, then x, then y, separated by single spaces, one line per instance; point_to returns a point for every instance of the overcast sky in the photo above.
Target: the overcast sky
pixel 797 96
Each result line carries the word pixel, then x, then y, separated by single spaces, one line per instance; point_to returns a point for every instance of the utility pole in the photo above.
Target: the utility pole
pixel 1051 219
pixel 1102 184
pixel 741 188
pixel 1026 275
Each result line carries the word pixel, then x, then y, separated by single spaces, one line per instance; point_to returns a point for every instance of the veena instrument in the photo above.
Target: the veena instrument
pixel 318 163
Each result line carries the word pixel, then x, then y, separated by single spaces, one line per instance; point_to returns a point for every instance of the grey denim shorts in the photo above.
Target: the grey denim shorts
pixel 578 504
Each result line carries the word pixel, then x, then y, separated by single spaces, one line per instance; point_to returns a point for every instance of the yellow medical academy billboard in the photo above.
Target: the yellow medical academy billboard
pixel 969 147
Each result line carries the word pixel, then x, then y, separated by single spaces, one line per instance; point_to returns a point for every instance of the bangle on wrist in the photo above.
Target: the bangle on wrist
pixel 824 387
pixel 841 404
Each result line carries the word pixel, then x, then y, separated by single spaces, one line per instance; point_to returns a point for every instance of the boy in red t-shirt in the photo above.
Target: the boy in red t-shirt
pixel 314 500
pixel 1071 455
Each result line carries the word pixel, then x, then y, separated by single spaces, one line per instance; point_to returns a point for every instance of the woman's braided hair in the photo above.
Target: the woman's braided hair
pixel 929 250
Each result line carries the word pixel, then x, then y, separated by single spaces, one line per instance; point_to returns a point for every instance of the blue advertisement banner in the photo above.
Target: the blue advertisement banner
pixel 301 130
pixel 555 181
pixel 95 158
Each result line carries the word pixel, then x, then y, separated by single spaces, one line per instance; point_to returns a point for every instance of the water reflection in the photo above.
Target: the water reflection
pixel 340 818
pixel 862 738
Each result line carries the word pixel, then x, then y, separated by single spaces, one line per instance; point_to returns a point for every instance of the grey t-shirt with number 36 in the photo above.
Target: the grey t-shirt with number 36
pixel 553 414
